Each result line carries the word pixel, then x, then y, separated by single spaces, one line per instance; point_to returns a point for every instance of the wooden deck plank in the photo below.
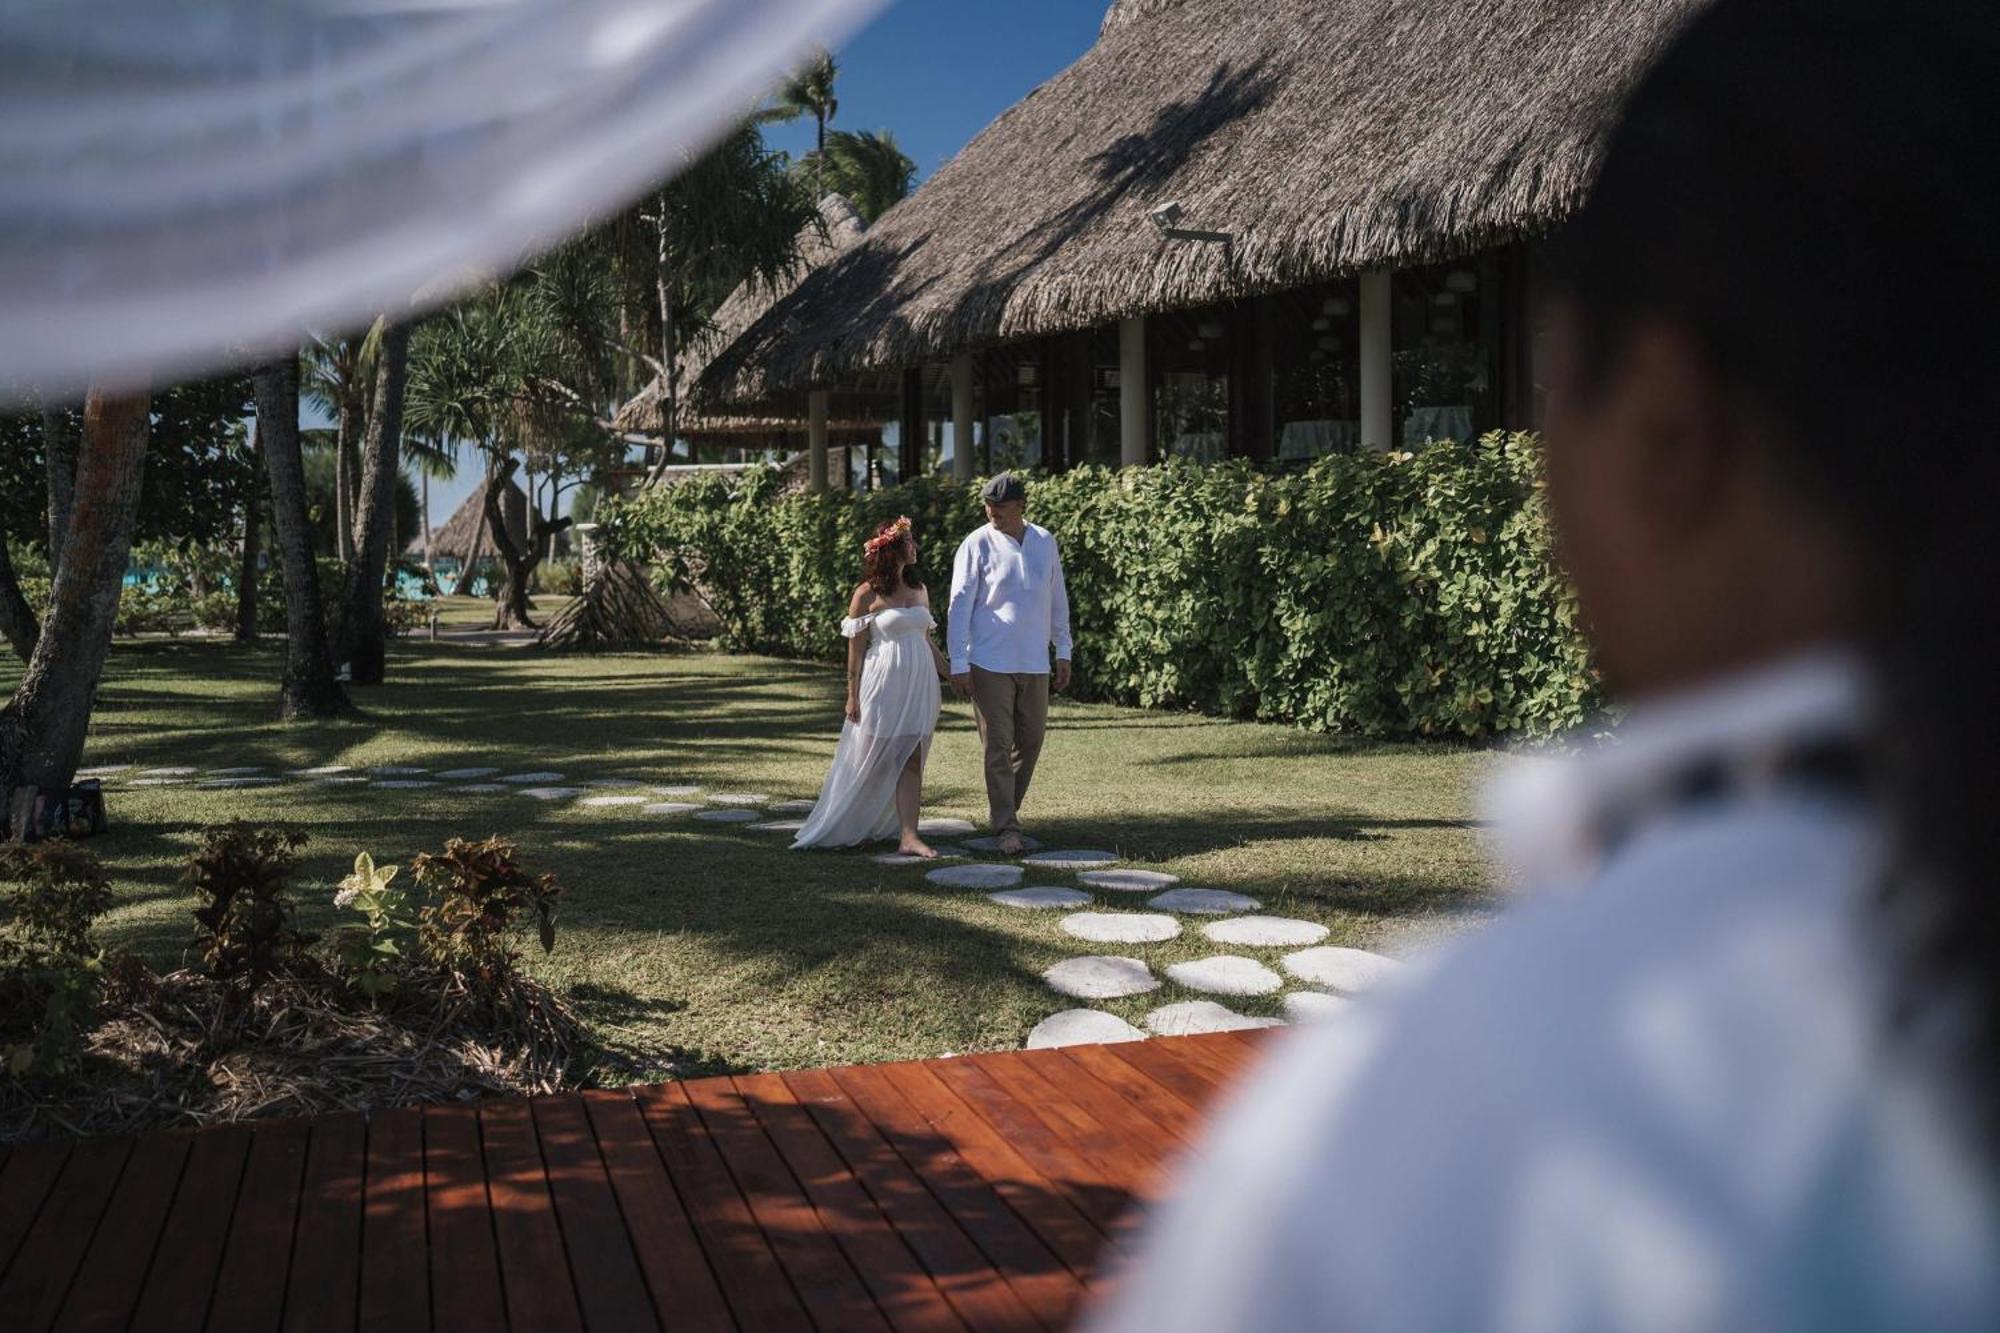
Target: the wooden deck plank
pixel 884 1263
pixel 669 1252
pixel 826 1283
pixel 1154 1103
pixel 1191 1085
pixel 1222 1055
pixel 977 1290
pixel 752 1280
pixel 1031 1266
pixel 464 1263
pixel 609 1285
pixel 182 1279
pixel 395 1276
pixel 534 1266
pixel 1094 1118
pixel 324 1283
pixel 25 1183
pixel 32 1293
pixel 113 1268
pixel 250 1287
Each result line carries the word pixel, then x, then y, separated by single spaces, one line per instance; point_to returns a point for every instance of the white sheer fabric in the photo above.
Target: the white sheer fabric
pixel 899 711
pixel 181 180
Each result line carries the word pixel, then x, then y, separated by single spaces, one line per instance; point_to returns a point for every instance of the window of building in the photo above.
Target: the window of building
pixel 1188 354
pixel 1316 371
pixel 1447 351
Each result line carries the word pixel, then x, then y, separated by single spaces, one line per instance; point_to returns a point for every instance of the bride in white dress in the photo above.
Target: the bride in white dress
pixel 893 669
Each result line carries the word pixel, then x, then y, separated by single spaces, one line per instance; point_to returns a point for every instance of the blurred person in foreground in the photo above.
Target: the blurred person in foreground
pixel 1746 1074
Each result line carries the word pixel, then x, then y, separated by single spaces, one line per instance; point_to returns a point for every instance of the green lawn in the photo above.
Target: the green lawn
pixel 708 947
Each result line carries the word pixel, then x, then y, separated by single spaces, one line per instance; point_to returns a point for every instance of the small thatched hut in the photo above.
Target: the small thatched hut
pixel 464 532
pixel 1273 228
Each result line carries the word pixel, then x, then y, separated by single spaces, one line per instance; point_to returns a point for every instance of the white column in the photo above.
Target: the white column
pixel 963 464
pixel 1377 384
pixel 1133 404
pixel 816 437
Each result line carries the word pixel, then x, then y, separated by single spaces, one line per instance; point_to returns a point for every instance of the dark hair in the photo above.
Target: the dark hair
pixel 882 575
pixel 1799 186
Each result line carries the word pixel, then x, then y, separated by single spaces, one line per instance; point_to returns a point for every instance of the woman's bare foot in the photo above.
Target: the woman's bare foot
pixel 915 846
pixel 1012 844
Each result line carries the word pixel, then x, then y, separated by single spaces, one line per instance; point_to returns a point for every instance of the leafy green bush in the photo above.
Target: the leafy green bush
pixel 50 968
pixel 1384 594
pixel 242 877
pixel 369 953
pixel 479 892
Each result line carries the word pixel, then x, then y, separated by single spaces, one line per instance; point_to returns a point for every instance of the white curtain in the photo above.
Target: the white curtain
pixel 184 182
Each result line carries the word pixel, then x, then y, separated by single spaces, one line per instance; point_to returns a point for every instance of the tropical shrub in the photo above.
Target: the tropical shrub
pixel 241 877
pixel 370 953
pixel 51 969
pixel 479 891
pixel 1408 594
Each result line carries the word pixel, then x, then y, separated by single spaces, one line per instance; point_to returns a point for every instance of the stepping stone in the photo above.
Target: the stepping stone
pixel 779 826
pixel 944 828
pixel 614 784
pixel 1192 1017
pixel 102 770
pixel 1265 932
pixel 1081 1027
pixel 992 844
pixel 240 771
pixel 739 798
pixel 323 771
pixel 461 774
pixel 976 877
pixel 238 782
pixel 406 784
pixel 155 782
pixel 945 852
pixel 530 779
pixel 1350 970
pixel 1121 927
pixel 395 770
pixel 670 808
pixel 1206 902
pixel 480 788
pixel 1129 881
pixel 546 793
pixel 727 816
pixel 614 800
pixel 1101 977
pixel 1304 1006
pixel 1069 860
pixel 793 807
pixel 1039 899
pixel 676 792
pixel 341 780
pixel 1226 974
pixel 166 772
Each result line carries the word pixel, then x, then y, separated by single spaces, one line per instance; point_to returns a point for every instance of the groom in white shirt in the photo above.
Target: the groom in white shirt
pixel 1008 608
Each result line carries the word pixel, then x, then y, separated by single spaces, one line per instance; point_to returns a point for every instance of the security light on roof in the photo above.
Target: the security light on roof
pixel 1168 215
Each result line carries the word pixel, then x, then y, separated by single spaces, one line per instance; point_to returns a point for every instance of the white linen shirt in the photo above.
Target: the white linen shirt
pixel 1663 1099
pixel 1008 603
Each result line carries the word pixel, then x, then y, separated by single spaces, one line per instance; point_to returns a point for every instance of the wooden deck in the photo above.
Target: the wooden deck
pixel 985 1192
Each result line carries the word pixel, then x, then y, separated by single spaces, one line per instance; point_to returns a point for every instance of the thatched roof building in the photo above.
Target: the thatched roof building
pixel 1305 141
pixel 455 540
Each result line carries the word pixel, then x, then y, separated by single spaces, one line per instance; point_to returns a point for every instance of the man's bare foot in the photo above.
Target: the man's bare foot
pixel 1012 844
pixel 917 847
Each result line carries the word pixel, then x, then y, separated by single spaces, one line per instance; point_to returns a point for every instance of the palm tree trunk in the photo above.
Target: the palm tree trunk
pixel 309 688
pixel 18 624
pixel 253 534
pixel 343 482
pixel 367 646
pixel 670 406
pixel 430 569
pixel 514 606
pixel 59 454
pixel 42 727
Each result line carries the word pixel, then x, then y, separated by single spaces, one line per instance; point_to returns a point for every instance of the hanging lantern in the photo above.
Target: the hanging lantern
pixel 1445 300
pixel 1322 324
pixel 1210 329
pixel 1461 280
pixel 1337 306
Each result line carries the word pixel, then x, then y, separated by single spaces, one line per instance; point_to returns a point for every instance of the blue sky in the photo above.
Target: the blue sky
pixel 936 73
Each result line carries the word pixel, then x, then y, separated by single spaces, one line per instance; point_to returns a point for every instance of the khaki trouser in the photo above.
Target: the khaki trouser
pixel 1012 709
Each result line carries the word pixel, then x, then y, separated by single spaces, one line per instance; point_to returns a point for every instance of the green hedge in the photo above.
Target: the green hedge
pixel 1383 594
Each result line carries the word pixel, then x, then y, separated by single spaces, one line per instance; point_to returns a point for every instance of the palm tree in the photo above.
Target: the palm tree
pixel 337 374
pixel 867 166
pixel 430 459
pixel 309 688
pixel 809 92
pixel 365 636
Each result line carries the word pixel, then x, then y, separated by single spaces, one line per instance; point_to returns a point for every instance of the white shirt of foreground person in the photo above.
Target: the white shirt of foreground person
pixel 1008 603
pixel 1667 1102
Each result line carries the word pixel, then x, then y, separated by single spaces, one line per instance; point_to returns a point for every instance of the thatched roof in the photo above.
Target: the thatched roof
pixel 1327 136
pixel 839 227
pixel 454 540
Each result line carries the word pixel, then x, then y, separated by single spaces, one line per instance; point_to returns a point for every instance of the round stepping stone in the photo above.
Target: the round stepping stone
pixel 727 816
pixel 544 793
pixel 992 844
pixel 779 826
pixel 1101 977
pixel 406 784
pixel 1040 899
pixel 739 798
pixel 465 774
pixel 1193 1017
pixel 1121 927
pixel 1081 1027
pixel 945 852
pixel 793 807
pixel 614 800
pixel 480 788
pixel 670 808
pixel 1205 902
pixel 240 770
pixel 614 784
pixel 1265 932
pixel 944 828
pixel 1129 881
pixel 341 780
pixel 323 771
pixel 1073 860
pixel 1227 974
pixel 976 877
pixel 676 792
pixel 1350 970
pixel 155 782
pixel 395 770
pixel 166 772
pixel 238 782
pixel 1304 1006
pixel 530 779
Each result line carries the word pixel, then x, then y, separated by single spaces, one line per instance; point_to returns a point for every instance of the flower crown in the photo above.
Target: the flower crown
pixel 889 534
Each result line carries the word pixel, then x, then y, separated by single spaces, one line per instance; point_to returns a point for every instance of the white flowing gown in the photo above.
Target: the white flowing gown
pixel 899 711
